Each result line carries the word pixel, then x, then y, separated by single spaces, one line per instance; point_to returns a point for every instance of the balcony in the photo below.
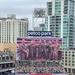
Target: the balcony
pixel 6 69
pixel 6 61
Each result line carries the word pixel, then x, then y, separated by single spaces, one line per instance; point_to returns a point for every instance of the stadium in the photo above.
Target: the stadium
pixel 39 56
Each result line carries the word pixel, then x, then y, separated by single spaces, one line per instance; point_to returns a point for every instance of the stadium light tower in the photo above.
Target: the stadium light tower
pixel 38 13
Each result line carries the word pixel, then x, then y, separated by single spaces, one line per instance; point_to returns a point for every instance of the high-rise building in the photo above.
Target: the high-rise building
pixel 11 28
pixel 60 20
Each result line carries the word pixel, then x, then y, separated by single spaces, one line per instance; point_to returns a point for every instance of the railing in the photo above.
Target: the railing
pixel 7 61
pixel 7 69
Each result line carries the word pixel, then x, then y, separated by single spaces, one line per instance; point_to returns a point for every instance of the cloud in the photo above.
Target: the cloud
pixel 22 8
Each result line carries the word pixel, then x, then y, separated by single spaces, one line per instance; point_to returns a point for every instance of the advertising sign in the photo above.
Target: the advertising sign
pixel 39 33
pixel 39 49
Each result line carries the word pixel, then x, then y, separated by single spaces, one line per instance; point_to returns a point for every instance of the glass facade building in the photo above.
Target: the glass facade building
pixel 60 20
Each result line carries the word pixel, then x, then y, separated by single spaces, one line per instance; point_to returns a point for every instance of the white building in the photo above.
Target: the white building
pixel 68 61
pixel 11 28
pixel 37 28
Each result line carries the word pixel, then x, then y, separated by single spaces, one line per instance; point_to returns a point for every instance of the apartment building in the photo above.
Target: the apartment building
pixel 11 28
pixel 60 20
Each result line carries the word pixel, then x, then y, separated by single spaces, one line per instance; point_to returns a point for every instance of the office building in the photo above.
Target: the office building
pixel 11 28
pixel 60 20
pixel 69 61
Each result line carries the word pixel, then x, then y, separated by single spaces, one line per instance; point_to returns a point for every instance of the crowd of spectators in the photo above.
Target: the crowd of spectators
pixel 51 70
pixel 43 68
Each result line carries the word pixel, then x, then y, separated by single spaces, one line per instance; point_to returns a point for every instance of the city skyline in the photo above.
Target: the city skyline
pixel 22 8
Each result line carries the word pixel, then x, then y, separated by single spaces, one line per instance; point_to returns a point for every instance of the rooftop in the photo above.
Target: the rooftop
pixel 13 17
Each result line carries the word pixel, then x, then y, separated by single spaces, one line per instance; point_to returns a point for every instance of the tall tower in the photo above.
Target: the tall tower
pixel 11 28
pixel 60 20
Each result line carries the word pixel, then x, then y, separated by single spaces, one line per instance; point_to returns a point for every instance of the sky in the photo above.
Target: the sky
pixel 22 8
